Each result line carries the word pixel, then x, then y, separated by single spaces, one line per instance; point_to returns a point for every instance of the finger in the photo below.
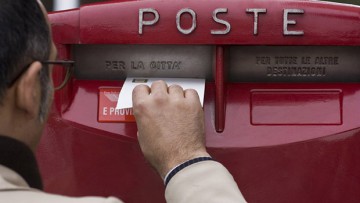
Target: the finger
pixel 192 95
pixel 139 92
pixel 176 91
pixel 159 87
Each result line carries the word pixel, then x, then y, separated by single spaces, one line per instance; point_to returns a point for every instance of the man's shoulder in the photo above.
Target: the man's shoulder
pixel 34 196
pixel 13 188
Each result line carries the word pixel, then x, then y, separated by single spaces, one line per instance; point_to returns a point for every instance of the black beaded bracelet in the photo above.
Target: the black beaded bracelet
pixel 184 165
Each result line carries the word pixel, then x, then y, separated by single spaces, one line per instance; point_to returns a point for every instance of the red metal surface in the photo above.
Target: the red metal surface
pixel 122 26
pixel 290 156
pixel 220 88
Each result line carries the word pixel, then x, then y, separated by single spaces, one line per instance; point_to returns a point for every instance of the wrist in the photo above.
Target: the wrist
pixel 183 165
pixel 173 163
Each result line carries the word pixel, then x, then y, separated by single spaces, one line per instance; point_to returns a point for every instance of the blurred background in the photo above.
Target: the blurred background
pixel 52 5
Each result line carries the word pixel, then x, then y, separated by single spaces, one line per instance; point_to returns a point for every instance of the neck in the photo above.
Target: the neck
pixel 19 158
pixel 15 124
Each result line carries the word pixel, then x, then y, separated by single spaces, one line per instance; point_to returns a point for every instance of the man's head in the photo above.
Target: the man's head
pixel 25 85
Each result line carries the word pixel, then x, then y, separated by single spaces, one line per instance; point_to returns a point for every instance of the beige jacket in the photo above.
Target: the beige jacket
pixel 206 181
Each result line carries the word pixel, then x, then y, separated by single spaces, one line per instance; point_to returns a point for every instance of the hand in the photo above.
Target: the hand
pixel 170 125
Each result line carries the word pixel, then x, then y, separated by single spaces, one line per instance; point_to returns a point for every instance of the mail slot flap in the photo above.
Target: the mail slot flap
pixel 294 64
pixel 116 62
pixel 220 22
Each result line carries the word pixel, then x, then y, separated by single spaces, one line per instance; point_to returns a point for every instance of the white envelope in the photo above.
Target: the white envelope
pixel 125 96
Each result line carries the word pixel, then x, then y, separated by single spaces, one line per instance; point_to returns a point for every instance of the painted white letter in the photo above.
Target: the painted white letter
pixel 291 22
pixel 227 24
pixel 141 18
pixel 256 12
pixel 112 110
pixel 178 19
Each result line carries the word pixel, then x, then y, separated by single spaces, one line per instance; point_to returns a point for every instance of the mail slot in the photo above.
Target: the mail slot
pixel 281 100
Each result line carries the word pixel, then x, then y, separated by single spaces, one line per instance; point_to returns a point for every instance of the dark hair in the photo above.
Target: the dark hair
pixel 24 38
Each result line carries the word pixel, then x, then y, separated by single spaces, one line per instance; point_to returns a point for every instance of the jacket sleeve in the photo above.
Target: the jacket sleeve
pixel 207 181
pixel 31 196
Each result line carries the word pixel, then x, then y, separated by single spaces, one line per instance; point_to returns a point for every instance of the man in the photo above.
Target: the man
pixel 178 155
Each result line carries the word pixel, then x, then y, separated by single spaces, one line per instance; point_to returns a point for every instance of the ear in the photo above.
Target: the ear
pixel 28 93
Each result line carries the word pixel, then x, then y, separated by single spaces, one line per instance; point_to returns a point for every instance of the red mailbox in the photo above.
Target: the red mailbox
pixel 282 97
